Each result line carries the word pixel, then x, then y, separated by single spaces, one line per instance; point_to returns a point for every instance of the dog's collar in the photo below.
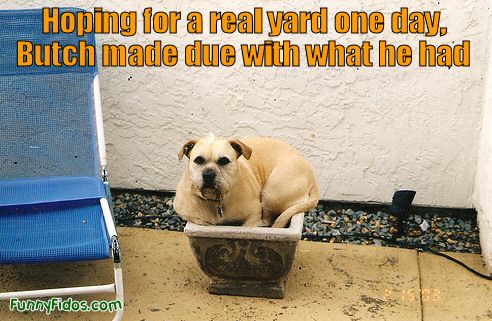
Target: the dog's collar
pixel 220 209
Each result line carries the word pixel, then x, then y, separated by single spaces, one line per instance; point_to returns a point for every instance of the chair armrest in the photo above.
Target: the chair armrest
pixel 108 218
pixel 111 228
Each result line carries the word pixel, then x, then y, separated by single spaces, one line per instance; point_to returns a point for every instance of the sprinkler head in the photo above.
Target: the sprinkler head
pixel 400 206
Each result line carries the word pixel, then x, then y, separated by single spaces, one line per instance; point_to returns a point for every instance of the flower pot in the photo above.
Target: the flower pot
pixel 246 261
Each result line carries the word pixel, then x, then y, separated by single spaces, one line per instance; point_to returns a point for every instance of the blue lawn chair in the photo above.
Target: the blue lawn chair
pixel 54 193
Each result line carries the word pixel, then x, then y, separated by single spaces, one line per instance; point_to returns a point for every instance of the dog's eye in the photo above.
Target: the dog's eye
pixel 223 161
pixel 199 160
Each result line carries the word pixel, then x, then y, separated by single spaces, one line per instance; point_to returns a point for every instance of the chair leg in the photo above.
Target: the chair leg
pixel 82 290
pixel 116 288
pixel 118 282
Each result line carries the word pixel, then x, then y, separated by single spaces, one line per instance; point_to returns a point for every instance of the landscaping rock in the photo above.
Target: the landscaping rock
pixel 155 210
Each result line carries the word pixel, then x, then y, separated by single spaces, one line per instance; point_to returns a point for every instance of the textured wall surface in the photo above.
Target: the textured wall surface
pixel 483 188
pixel 367 131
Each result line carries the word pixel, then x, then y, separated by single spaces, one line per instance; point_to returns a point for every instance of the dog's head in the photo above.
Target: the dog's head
pixel 212 164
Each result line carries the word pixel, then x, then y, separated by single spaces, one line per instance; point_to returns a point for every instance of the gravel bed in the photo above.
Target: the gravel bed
pixel 326 223
pixel 444 233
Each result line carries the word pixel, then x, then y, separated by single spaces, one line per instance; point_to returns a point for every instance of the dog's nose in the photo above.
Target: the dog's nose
pixel 209 177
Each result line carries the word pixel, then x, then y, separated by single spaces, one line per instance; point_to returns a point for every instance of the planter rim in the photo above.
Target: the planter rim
pixel 291 233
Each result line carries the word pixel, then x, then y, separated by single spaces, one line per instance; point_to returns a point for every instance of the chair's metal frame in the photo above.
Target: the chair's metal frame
pixel 117 286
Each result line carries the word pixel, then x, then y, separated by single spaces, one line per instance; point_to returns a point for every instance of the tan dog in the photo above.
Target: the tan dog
pixel 253 182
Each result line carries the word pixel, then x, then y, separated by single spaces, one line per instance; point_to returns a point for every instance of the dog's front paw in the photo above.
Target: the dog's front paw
pixel 198 221
pixel 254 223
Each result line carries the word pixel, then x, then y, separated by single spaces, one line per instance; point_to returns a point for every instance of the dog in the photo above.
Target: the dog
pixel 251 182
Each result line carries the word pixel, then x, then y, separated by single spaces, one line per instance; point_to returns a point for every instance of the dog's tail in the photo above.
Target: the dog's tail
pixel 284 218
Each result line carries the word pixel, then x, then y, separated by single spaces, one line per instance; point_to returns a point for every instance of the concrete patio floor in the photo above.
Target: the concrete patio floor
pixel 327 282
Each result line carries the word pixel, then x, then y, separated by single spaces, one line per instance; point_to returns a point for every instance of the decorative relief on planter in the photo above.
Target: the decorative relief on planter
pixel 244 260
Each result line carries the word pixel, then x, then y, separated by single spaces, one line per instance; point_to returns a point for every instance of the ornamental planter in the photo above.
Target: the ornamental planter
pixel 246 261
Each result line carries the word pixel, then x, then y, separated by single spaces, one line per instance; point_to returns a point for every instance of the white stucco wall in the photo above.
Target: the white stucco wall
pixel 366 131
pixel 483 188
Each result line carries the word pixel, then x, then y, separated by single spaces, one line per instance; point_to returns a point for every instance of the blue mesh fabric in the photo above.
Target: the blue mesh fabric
pixel 27 25
pixel 47 190
pixel 46 113
pixel 49 182
pixel 53 232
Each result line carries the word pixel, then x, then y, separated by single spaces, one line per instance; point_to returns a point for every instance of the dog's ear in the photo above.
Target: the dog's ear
pixel 241 148
pixel 185 151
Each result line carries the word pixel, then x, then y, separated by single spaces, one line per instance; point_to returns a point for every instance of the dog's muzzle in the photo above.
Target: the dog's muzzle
pixel 208 177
